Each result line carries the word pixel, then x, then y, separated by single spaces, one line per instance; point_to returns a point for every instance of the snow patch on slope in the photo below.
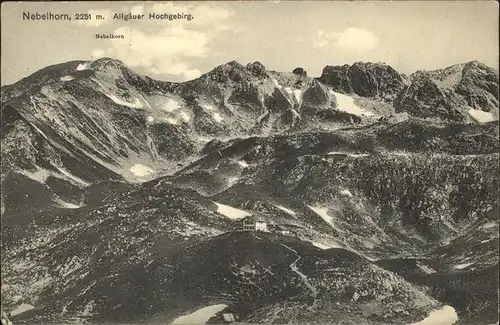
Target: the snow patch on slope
pixel 243 163
pixel 346 192
pixel 424 268
pixel 141 170
pixel 171 120
pixel 295 114
pixel 290 212
pixel 136 104
pixel 444 316
pixel 40 175
pixel 218 117
pixel 82 66
pixel 488 225
pixel 276 83
pixel 346 104
pixel 298 94
pixel 462 266
pixel 207 107
pixel 171 105
pixel 323 213
pixel 66 205
pixel 22 308
pixel 354 155
pixel 199 317
pixel 40 131
pixel 78 180
pixel 323 246
pixel 230 212
pixel 66 78
pixel 481 116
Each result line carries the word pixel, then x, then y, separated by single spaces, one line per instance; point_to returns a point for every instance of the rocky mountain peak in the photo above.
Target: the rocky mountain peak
pixel 476 64
pixel 106 63
pixel 365 79
pixel 257 69
pixel 479 86
pixel 300 71
pixel 230 71
pixel 456 92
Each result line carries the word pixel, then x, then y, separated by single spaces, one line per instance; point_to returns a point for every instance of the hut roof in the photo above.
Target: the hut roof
pixel 254 218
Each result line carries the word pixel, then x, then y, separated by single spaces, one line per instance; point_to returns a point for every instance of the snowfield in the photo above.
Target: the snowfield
pixel 141 170
pixel 243 163
pixel 66 78
pixel 354 155
pixel 425 268
pixel 290 212
pixel 171 120
pixel 323 246
pixel 298 94
pixel 207 107
pixel 21 309
pixel 444 316
pixel 231 212
pixel 462 266
pixel 171 105
pixel 199 317
pixel 218 117
pixel 72 177
pixel 346 192
pixel 481 116
pixel 323 213
pixel 346 104
pixel 136 104
pixel 40 131
pixel 82 66
pixel 40 175
pixel 66 205
pixel 277 84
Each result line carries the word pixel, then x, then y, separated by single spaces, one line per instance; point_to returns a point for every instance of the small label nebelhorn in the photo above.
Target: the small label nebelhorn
pixel 45 16
pixel 109 36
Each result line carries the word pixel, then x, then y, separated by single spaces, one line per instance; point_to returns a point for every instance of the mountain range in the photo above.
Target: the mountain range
pixel 121 194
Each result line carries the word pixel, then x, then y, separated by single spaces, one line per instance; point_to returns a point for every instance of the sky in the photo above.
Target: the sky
pixel 283 35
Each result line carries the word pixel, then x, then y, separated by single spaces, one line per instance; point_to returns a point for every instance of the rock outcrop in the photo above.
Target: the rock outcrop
pixel 257 69
pixel 479 86
pixel 451 93
pixel 364 79
pixel 300 71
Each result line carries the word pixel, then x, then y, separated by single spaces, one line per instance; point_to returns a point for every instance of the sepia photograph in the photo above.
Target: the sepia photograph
pixel 250 163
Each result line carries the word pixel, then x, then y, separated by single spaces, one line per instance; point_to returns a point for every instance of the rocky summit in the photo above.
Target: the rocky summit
pixel 364 79
pixel 362 196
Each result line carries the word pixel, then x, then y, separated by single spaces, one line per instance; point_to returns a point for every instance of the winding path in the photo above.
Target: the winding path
pixel 304 277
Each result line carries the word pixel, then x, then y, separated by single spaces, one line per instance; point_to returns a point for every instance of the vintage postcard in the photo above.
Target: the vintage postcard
pixel 250 162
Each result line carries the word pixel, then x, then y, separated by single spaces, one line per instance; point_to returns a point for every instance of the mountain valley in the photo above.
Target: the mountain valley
pixel 122 195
